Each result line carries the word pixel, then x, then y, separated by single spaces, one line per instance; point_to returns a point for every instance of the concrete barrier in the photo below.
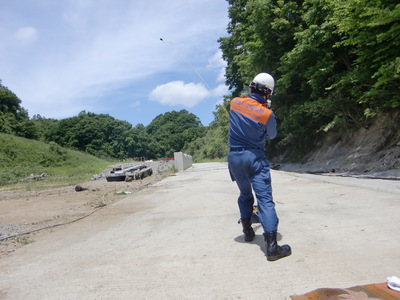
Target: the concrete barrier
pixel 182 161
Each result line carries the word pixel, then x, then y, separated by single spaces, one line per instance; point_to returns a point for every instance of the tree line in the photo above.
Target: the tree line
pixel 103 136
pixel 100 134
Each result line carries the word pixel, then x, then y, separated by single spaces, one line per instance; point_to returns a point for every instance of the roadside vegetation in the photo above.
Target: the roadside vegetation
pixel 28 161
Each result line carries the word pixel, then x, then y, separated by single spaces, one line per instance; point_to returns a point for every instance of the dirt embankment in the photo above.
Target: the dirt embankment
pixel 25 212
pixel 369 152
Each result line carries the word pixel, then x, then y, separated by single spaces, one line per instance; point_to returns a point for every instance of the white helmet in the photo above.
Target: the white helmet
pixel 263 82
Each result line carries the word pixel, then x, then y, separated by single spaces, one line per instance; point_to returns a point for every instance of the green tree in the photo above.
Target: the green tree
pixel 261 31
pixel 306 104
pixel 172 130
pixel 336 62
pixel 45 127
pixel 100 135
pixel 14 119
pixel 214 143
pixel 371 29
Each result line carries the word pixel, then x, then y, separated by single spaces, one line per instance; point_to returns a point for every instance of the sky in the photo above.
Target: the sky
pixel 130 59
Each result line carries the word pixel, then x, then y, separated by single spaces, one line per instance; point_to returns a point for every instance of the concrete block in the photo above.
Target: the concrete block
pixel 182 161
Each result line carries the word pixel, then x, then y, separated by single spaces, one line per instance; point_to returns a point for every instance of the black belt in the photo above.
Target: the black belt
pixel 241 149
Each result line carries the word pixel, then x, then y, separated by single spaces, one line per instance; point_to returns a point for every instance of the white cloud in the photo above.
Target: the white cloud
pixel 135 104
pixel 26 35
pixel 219 102
pixel 178 93
pixel 216 62
pixel 220 90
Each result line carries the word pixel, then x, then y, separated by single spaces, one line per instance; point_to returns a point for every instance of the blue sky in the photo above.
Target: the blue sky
pixel 107 57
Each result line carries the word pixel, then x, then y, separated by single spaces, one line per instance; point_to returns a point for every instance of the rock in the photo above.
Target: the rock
pixel 79 188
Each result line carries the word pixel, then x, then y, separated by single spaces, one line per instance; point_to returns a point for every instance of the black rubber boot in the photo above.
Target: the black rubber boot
pixel 247 230
pixel 275 252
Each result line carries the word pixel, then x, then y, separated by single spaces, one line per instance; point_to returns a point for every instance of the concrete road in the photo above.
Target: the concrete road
pixel 179 239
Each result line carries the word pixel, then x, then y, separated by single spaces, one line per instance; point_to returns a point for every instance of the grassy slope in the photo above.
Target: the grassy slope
pixel 20 157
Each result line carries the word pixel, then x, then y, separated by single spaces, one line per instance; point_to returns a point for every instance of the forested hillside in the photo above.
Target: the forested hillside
pixel 337 69
pixel 102 135
pixel 336 64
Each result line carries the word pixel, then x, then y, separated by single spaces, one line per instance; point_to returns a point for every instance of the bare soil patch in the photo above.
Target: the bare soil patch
pixel 22 212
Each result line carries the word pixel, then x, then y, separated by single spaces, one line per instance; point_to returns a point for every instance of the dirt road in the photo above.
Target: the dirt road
pixel 179 239
pixel 29 208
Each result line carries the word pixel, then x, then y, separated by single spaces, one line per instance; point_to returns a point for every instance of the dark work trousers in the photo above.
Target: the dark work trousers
pixel 250 169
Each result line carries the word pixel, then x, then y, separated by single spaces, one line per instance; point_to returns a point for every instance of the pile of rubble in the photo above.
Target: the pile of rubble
pixel 135 170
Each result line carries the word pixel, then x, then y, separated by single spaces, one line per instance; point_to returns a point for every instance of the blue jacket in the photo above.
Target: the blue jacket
pixel 251 122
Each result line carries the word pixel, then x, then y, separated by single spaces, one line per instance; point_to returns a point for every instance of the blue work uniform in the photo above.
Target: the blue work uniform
pixel 251 122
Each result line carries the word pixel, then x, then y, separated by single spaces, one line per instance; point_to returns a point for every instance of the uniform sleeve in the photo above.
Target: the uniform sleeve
pixel 271 126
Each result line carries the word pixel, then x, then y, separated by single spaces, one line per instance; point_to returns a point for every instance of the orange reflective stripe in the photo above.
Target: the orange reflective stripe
pixel 251 108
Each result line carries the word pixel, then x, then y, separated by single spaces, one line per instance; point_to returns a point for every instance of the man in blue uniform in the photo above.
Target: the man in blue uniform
pixel 251 122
